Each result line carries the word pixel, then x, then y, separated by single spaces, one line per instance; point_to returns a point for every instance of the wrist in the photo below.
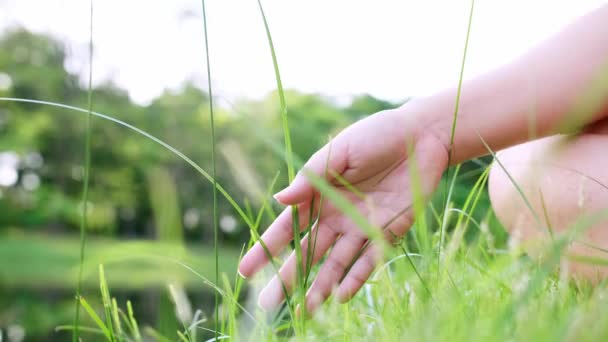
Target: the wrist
pixel 423 116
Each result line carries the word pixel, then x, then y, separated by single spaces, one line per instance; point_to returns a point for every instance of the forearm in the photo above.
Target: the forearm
pixel 559 86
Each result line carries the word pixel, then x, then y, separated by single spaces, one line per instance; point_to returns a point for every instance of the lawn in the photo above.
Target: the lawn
pixel 39 261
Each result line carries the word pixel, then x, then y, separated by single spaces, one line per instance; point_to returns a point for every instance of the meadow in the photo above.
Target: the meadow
pixel 115 221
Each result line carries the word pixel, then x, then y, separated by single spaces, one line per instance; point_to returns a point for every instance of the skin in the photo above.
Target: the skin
pixel 568 174
pixel 559 87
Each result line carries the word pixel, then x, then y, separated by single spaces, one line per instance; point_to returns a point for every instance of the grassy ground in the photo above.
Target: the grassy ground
pixel 485 297
pixel 39 261
pixel 480 290
pixel 464 285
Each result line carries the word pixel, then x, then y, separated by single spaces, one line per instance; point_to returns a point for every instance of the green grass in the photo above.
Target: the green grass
pixel 40 261
pixel 448 280
pixel 214 171
pixel 85 182
pixel 300 281
pixel 492 293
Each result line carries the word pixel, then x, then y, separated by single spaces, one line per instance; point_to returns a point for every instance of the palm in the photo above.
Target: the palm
pixel 375 175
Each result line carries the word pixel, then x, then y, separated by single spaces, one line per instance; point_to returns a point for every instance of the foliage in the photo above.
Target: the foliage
pixel 41 166
pixel 119 195
pixel 466 285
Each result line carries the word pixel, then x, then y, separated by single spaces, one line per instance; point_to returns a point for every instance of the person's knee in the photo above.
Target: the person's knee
pixel 504 180
pixel 558 179
pixel 550 185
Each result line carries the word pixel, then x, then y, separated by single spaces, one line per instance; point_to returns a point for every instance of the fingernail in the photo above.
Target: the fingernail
pixel 278 195
pixel 240 274
pixel 270 297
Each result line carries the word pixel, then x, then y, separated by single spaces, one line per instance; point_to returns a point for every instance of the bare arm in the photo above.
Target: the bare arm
pixel 559 86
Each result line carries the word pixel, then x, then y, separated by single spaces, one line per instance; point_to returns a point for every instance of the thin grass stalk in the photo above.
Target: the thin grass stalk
pixel 85 182
pixel 136 332
pixel 310 254
pixel 512 180
pixel 457 104
pixel 413 265
pixel 545 213
pixel 149 136
pixel 288 157
pixel 91 330
pixel 481 189
pixel 445 217
pixel 155 335
pixel 466 212
pixel 182 337
pixel 282 102
pixel 125 320
pixel 87 307
pixel 418 201
pixel 116 320
pixel 255 237
pixel 107 303
pixel 214 170
pixel 459 89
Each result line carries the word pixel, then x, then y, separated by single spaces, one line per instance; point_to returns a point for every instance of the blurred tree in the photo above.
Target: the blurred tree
pixel 139 189
pixel 364 105
pixel 41 147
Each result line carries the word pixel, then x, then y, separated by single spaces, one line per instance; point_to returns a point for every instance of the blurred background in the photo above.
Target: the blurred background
pixel 341 60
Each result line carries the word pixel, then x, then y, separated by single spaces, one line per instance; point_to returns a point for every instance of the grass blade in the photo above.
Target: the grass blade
pixel 460 78
pixel 214 171
pixel 149 136
pixel 156 335
pixel 517 187
pixel 116 319
pixel 277 74
pixel 134 325
pixel 85 182
pixel 453 129
pixel 81 328
pixel 95 318
pixel 288 157
pixel 107 303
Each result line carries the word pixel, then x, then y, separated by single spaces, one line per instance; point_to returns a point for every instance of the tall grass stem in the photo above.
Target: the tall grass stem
pixel 85 182
pixel 214 169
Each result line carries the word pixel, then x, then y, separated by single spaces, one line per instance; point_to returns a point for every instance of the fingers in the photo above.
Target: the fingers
pixel 366 263
pixel 340 258
pixel 344 253
pixel 276 237
pixel 358 274
pixel 273 295
pixel 331 158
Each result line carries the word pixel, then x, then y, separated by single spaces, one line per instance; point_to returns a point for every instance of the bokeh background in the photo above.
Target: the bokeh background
pixel 341 60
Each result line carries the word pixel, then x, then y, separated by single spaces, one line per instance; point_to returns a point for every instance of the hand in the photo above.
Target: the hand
pixel 372 155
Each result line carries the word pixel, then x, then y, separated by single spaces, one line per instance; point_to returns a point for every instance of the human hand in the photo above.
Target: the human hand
pixel 372 156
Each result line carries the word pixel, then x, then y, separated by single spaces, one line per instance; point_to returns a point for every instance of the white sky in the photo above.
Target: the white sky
pixel 390 49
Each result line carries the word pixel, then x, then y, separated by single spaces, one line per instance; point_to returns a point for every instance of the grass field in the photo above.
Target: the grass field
pixel 479 291
pixel 38 261
pixel 452 278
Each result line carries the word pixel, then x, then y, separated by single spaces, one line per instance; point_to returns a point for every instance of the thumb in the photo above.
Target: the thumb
pixel 331 159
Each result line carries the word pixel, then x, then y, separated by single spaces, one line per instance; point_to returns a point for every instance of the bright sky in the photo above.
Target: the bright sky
pixel 390 49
